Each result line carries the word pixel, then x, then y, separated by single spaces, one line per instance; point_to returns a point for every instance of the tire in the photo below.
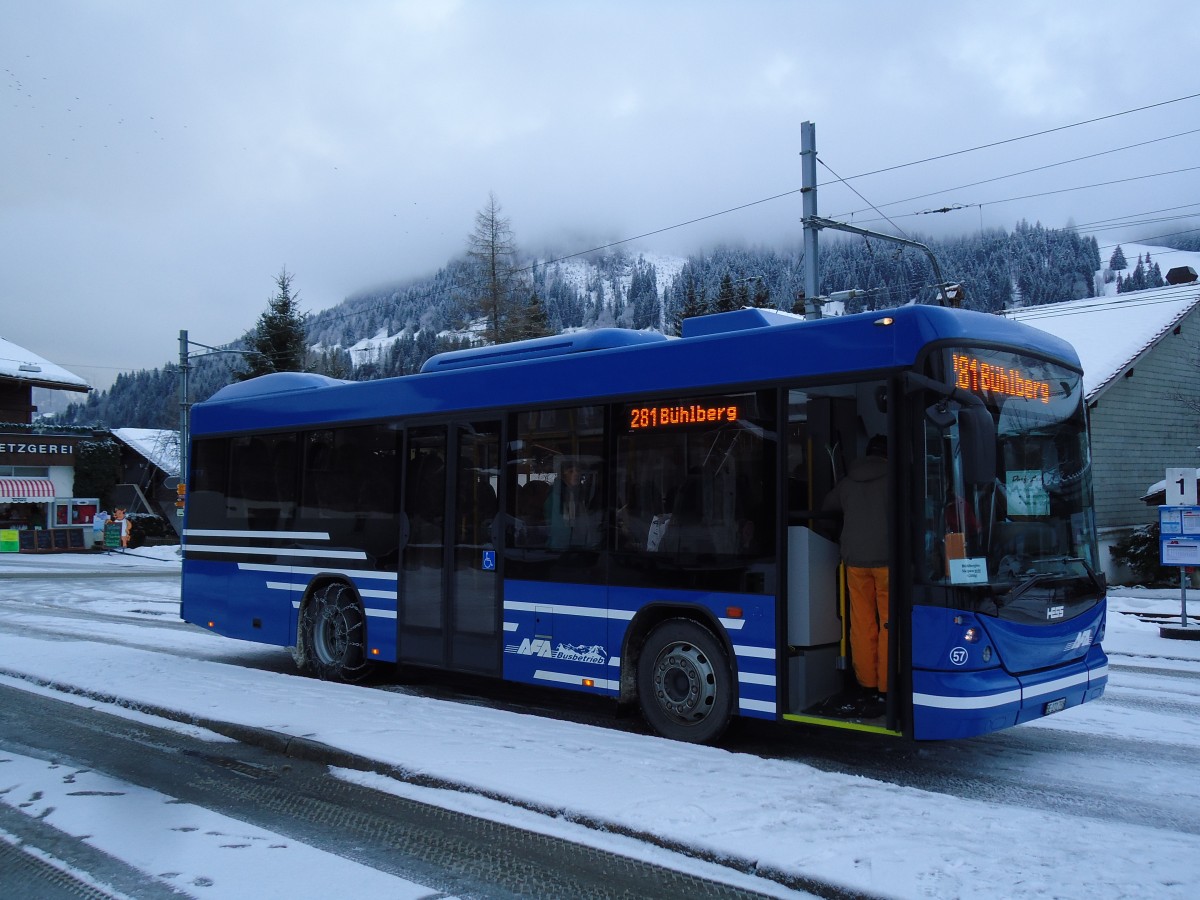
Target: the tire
pixel 332 639
pixel 685 683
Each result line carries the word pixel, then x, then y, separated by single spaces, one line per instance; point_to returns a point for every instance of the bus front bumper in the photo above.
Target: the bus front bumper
pixel 967 703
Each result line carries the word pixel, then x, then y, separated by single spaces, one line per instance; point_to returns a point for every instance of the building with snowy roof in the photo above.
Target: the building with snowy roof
pixel 38 509
pixel 21 371
pixel 1141 373
pixel 149 474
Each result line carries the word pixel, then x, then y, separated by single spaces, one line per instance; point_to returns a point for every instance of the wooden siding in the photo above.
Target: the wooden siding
pixel 1139 426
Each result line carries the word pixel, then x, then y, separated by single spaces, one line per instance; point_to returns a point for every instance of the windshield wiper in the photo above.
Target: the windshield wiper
pixel 1020 589
pixel 1037 577
pixel 1098 580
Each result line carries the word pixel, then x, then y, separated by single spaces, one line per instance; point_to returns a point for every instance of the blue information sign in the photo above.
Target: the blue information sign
pixel 1179 535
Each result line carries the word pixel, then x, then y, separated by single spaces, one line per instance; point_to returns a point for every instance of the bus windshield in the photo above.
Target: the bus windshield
pixel 1014 538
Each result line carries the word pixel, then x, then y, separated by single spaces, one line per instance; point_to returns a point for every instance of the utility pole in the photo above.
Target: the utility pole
pixel 184 407
pixel 947 295
pixel 808 190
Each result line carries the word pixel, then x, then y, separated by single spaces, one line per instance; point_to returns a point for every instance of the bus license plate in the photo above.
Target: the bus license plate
pixel 1055 706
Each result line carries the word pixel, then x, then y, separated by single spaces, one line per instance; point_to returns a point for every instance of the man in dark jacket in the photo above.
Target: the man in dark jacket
pixel 861 497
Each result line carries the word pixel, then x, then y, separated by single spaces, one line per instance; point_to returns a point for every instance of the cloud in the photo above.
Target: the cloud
pixel 173 158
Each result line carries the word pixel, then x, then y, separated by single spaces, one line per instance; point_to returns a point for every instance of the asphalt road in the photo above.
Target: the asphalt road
pixel 457 854
pixel 1084 774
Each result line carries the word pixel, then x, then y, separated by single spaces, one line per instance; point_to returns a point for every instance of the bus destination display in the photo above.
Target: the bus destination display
pixel 669 416
pixel 973 374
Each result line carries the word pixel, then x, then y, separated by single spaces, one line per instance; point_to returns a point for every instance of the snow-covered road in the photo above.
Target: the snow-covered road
pixel 1126 821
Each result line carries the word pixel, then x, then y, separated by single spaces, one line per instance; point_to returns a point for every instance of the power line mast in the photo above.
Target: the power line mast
pixel 947 295
pixel 808 191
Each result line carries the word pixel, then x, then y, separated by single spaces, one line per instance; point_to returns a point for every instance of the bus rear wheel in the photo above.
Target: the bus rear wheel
pixel 685 684
pixel 334 631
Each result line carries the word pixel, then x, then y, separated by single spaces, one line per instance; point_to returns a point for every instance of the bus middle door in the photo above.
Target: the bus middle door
pixel 449 585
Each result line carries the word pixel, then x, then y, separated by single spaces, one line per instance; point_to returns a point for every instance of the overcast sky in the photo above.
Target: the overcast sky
pixel 160 162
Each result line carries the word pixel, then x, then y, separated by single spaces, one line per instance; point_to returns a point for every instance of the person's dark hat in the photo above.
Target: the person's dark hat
pixel 877 446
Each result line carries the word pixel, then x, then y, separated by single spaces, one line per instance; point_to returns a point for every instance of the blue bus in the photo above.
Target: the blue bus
pixel 643 518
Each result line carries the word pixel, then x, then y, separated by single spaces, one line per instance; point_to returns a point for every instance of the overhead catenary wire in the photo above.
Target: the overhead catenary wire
pixel 1042 168
pixel 1148 212
pixel 783 194
pixel 440 292
pixel 1148 297
pixel 864 199
pixel 1023 137
pixel 1081 187
pixel 1160 220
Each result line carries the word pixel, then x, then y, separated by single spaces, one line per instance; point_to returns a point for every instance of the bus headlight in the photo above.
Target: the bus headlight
pixel 972 635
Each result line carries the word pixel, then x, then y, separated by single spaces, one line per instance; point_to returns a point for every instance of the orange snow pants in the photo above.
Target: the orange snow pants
pixel 868 625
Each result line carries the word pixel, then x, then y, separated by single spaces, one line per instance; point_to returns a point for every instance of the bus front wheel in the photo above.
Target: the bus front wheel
pixel 685 684
pixel 334 630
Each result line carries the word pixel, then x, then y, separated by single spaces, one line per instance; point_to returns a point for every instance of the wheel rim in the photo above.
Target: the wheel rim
pixel 685 683
pixel 332 637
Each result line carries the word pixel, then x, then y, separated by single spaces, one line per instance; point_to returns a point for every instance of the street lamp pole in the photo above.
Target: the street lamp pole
pixel 184 407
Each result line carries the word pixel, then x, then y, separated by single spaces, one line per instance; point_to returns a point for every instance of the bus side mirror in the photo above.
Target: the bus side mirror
pixel 977 441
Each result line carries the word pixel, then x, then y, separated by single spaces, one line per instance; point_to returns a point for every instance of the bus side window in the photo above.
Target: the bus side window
pixel 555 524
pixel 263 497
pixel 695 502
pixel 207 495
pixel 426 479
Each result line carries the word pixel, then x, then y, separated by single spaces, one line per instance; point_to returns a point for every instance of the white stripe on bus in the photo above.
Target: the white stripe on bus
pixel 989 701
pixel 756 652
pixel 757 705
pixel 755 678
pixel 306 570
pixel 1053 687
pixel 276 535
pixel 1017 695
pixel 300 588
pixel 280 551
pixel 589 611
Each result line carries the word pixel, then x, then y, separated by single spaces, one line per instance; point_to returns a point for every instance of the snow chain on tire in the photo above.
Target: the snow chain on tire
pixel 333 635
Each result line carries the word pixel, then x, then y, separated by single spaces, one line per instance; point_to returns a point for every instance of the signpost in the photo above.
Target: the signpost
pixel 1179 530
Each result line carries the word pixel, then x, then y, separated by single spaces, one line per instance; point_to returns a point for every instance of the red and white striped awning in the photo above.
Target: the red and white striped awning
pixel 26 488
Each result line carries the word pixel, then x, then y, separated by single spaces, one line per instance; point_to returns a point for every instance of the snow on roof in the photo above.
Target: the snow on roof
pixel 19 364
pixel 1111 332
pixel 1159 487
pixel 159 446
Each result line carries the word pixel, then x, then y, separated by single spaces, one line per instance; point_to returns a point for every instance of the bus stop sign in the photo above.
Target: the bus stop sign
pixel 1179 535
pixel 1181 487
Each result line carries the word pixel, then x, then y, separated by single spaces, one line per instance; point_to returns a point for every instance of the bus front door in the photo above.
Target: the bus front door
pixel 449 589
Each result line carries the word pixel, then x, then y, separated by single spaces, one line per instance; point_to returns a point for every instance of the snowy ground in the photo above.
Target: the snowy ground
pixel 782 815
